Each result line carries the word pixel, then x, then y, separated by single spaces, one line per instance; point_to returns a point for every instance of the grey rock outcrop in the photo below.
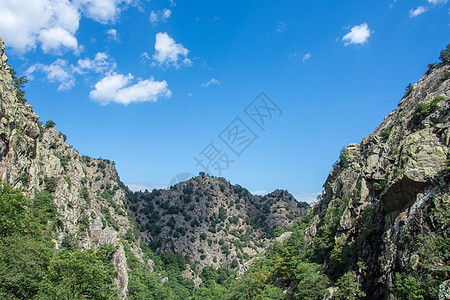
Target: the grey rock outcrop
pixel 387 193
pixel 88 192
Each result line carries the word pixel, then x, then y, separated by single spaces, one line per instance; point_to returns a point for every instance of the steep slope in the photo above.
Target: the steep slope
pixel 88 193
pixel 384 212
pixel 211 221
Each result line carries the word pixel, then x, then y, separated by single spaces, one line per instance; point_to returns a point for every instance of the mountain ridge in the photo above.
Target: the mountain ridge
pixel 379 230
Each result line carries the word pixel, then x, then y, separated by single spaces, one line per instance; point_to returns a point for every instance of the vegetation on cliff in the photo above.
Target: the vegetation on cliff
pixel 380 229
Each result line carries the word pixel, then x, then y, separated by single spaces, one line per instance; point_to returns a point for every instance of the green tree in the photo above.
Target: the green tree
pixel 14 213
pixel 349 287
pixel 445 54
pixel 49 124
pixel 408 287
pixel 31 267
pixel 408 90
pixel 19 84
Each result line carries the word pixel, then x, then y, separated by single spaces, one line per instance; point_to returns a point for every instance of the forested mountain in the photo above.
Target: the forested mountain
pixel 69 228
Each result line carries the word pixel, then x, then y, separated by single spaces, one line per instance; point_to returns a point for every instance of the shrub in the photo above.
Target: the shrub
pixel 63 160
pixel 408 90
pixel 50 184
pixel 49 124
pixel 69 242
pixel 13 211
pixel 63 136
pixel 19 84
pixel 427 108
pixel 344 157
pixel 386 132
pixel 407 287
pixel 101 165
pixel 445 75
pixel 25 178
pixel 349 288
pixel 234 264
pixel 84 193
pixel 445 54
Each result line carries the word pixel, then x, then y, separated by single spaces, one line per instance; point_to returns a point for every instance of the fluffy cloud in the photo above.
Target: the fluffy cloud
pixel 101 64
pixel 418 11
pixel 51 23
pixel 60 71
pixel 358 35
pixel 211 82
pixel 56 39
pixel 118 88
pixel 163 15
pixel 112 34
pixel 168 53
pixel 102 11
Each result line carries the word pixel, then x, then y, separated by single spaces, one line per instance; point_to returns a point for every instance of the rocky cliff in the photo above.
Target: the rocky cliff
pixel 206 219
pixel 379 230
pixel 88 192
pixel 384 210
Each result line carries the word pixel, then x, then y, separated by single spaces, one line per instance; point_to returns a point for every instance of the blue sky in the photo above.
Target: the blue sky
pixel 154 84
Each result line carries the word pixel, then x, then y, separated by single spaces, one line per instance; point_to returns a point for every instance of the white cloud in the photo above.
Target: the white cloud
pixel 101 64
pixel 418 11
pixel 118 88
pixel 359 34
pixel 144 56
pixel 56 39
pixel 102 11
pixel 211 82
pixel 281 27
pixel 306 57
pixel 60 71
pixel 154 18
pixel 436 2
pixel 52 24
pixel 157 16
pixel 168 53
pixel 112 34
pixel 166 14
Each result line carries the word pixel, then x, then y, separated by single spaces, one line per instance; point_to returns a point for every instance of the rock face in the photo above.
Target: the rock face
pixel 389 195
pixel 212 221
pixel 88 192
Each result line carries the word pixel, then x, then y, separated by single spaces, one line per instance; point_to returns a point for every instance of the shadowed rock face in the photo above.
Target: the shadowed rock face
pixel 400 193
